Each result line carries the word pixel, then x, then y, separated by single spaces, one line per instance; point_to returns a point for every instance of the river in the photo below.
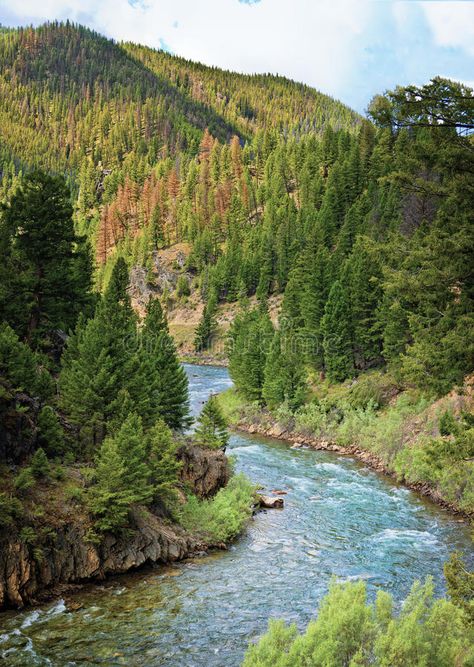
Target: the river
pixel 339 519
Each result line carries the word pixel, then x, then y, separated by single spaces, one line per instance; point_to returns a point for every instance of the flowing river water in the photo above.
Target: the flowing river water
pixel 339 519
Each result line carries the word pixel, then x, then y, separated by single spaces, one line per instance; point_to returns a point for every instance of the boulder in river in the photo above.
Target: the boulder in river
pixel 270 502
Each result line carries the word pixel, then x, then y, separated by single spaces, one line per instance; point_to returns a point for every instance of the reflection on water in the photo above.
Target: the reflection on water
pixel 339 519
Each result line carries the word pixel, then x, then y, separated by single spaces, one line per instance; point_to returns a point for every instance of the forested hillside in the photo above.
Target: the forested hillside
pixel 134 183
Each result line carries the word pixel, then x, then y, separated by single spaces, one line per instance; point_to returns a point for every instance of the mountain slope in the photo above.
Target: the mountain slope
pixel 67 94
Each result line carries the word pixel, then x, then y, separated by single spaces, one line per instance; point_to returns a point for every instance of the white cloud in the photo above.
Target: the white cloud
pixel 452 23
pixel 310 40
pixel 350 49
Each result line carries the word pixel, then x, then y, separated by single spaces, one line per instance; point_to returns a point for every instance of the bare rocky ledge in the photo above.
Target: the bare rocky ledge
pixel 67 557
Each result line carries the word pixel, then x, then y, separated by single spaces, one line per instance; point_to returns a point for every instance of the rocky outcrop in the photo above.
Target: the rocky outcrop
pixel 204 471
pixel 69 557
pixel 65 556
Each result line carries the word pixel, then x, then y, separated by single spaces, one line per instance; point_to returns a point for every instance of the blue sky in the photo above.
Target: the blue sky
pixel 350 49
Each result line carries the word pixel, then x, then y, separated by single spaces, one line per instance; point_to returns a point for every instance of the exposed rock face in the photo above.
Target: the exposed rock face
pixel 67 557
pixel 204 470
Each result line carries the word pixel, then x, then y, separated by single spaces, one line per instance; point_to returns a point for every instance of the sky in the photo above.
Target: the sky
pixel 350 49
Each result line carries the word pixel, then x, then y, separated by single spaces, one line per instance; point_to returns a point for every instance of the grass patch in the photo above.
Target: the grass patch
pixel 232 405
pixel 223 517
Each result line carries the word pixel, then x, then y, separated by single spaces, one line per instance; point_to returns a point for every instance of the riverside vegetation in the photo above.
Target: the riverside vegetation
pixel 362 229
pixel 94 427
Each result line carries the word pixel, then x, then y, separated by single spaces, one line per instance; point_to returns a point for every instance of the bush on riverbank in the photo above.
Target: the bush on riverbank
pixel 420 440
pixel 350 632
pixel 223 517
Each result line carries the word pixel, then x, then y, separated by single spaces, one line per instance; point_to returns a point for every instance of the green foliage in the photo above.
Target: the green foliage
pixel 223 517
pixel 23 369
pixel 460 583
pixel 39 464
pixel 11 510
pixel 182 287
pixel 445 463
pixel 249 341
pixel 207 326
pixel 337 334
pixel 447 424
pixel 51 434
pixel 231 405
pixel 163 377
pixel 121 477
pixel 74 493
pixel 349 631
pixel 162 462
pixel 373 388
pixel 24 480
pixel 211 430
pixel 45 283
pixel 284 373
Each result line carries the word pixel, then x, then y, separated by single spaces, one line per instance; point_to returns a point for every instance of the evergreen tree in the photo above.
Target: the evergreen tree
pixel 363 276
pixel 207 326
pixel 284 375
pixel 249 341
pixel 162 375
pixel 100 360
pixel 45 278
pixel 163 463
pixel 337 334
pixel 211 430
pixel 121 477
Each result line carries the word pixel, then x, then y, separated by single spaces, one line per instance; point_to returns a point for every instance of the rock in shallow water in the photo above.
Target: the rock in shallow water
pixel 269 502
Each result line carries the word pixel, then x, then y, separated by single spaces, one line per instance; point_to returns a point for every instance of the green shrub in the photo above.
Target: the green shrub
pixel 24 480
pixel 223 517
pixel 356 422
pixel 182 287
pixel 231 404
pixel 373 388
pixel 39 464
pixel 349 632
pixel 312 419
pixel 51 434
pixel 73 492
pixel 447 423
pixel 460 584
pixel 10 510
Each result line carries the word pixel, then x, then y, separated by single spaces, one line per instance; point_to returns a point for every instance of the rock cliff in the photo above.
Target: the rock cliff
pixel 65 556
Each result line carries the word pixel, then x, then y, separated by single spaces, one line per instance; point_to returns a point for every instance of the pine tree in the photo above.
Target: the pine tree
pixel 337 334
pixel 46 276
pixel 250 338
pixel 121 477
pixel 161 374
pixel 284 375
pixel 211 430
pixel 207 326
pixel 163 463
pixel 363 276
pixel 99 361
pixel 131 446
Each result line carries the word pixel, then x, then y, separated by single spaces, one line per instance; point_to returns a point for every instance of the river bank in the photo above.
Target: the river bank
pixel 340 519
pixel 416 441
pixel 60 551
pixel 369 459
